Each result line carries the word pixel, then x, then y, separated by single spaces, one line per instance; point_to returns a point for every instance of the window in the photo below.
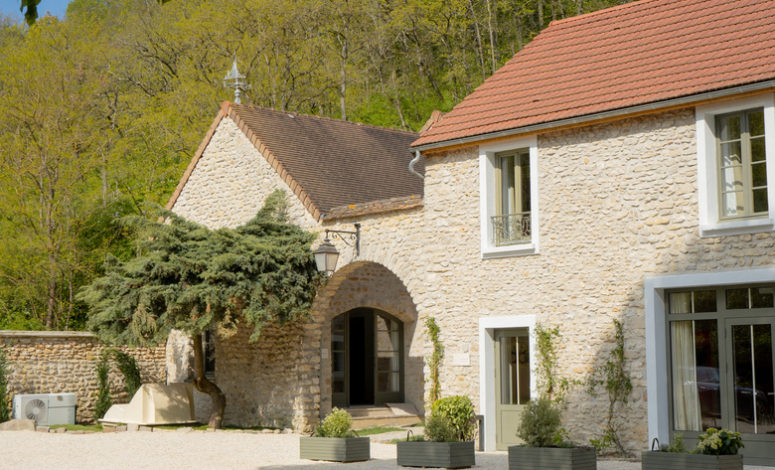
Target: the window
pixel 508 204
pixel 742 163
pixel 734 141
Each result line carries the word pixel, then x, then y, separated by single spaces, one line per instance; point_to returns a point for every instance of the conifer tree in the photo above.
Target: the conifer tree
pixel 194 279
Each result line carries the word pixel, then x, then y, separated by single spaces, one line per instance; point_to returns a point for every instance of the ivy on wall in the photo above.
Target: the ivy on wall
pixel 434 361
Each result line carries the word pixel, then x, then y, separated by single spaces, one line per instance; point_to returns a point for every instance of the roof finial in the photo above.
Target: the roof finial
pixel 234 79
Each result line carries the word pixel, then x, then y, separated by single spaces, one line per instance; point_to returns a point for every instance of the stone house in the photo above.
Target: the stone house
pixel 615 168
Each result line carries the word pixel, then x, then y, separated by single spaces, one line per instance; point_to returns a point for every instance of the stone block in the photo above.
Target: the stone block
pixel 18 425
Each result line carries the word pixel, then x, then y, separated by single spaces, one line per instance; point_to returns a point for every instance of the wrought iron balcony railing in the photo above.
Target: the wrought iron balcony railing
pixel 511 228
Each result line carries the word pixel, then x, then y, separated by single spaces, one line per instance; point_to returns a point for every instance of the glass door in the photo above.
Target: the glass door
pixel 750 384
pixel 512 383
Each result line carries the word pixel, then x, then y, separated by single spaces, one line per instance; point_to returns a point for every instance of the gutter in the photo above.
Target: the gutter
pixel 415 160
pixel 653 106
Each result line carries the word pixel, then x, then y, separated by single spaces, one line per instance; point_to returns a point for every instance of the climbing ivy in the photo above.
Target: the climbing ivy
pixel 5 413
pixel 103 387
pixel 434 361
pixel 552 386
pixel 615 379
pixel 129 369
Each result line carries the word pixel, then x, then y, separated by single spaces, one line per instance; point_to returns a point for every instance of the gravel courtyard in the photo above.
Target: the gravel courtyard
pixel 193 450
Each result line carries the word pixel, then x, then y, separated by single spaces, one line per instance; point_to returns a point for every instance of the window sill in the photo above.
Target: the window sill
pixel 524 249
pixel 738 227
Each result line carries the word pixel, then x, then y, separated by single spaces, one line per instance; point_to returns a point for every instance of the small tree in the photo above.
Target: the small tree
pixel 103 403
pixel 194 279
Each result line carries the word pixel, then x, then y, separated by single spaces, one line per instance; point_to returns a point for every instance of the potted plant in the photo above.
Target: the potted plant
pixel 448 439
pixel 717 450
pixel 335 440
pixel 545 444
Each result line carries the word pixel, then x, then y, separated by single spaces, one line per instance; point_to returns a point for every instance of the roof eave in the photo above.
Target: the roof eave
pixel 604 115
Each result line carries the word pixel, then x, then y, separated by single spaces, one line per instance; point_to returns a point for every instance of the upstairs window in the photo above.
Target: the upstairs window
pixel 742 164
pixel 511 222
pixel 508 175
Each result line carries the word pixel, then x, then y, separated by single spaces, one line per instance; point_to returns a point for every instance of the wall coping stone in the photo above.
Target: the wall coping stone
pixel 46 334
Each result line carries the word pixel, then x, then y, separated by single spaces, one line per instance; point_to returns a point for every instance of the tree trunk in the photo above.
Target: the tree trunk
pixel 205 386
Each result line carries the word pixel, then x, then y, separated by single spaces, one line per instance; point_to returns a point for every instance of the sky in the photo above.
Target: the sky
pixel 56 7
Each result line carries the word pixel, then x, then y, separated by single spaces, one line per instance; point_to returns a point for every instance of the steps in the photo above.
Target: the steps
pixel 392 415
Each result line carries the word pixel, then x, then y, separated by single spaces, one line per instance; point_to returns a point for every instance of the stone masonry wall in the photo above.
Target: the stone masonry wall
pixel 66 362
pixel 617 202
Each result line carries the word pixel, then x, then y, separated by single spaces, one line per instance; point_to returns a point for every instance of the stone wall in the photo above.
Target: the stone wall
pixel 66 362
pixel 617 202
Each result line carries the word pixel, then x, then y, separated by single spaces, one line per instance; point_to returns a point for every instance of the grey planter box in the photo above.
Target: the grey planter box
pixel 336 449
pixel 675 461
pixel 436 454
pixel 552 458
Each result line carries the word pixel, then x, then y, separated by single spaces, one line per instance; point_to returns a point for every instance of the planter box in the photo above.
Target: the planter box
pixel 675 461
pixel 436 454
pixel 336 449
pixel 552 458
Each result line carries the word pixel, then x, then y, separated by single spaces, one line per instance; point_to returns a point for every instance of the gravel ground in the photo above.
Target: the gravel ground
pixel 194 450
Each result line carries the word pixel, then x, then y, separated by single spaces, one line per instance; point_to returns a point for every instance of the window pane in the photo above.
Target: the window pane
pixel 756 123
pixel 732 203
pixel 704 301
pixel 523 369
pixel 525 181
pixel 681 302
pixel 759 174
pixel 760 200
pixel 729 127
pixel 731 154
pixel 737 298
pixel 765 392
pixel 732 178
pixel 743 372
pixel 758 153
pixel 695 374
pixel 761 297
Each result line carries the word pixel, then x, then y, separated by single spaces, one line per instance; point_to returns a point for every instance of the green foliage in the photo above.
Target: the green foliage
pixel 103 402
pixel 338 423
pixel 434 362
pixel 5 411
pixel 615 380
pixel 131 372
pixel 439 429
pixel 541 424
pixel 551 385
pixel 458 412
pixel 195 279
pixel 677 446
pixel 720 442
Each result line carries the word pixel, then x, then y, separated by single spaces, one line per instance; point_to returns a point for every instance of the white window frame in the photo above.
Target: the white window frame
pixel 487 203
pixel 711 224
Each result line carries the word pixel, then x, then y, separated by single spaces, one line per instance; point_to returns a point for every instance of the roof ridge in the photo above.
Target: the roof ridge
pixel 313 116
pixel 604 11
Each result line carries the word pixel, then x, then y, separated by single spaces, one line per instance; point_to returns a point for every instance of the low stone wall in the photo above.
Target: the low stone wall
pixel 66 362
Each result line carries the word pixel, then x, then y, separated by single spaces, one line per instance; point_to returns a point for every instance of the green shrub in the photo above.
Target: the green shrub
pixel 103 389
pixel 719 442
pixel 5 412
pixel 541 424
pixel 128 367
pixel 458 411
pixel 439 429
pixel 676 447
pixel 338 423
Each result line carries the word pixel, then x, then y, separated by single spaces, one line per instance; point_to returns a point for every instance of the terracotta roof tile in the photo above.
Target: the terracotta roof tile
pixel 632 54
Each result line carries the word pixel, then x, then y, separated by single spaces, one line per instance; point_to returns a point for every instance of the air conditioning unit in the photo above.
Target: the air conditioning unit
pixel 46 409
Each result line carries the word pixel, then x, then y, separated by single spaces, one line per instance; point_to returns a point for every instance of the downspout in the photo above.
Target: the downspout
pixel 412 163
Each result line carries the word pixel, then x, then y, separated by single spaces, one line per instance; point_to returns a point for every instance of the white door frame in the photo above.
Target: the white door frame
pixel 656 334
pixel 487 327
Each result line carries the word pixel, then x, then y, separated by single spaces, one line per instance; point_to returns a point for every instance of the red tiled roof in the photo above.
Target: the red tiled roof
pixel 629 55
pixel 327 163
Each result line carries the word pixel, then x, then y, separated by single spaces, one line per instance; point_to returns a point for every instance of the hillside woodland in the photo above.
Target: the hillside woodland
pixel 102 110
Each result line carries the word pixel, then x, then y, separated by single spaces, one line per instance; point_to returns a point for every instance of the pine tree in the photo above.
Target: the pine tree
pixel 194 279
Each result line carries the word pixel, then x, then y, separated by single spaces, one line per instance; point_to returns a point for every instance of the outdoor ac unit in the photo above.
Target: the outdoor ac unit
pixel 46 409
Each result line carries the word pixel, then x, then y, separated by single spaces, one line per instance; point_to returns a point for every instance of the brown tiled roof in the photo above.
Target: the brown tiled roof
pixel 326 162
pixel 375 207
pixel 642 52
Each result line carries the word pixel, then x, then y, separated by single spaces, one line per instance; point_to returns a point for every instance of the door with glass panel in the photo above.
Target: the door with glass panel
pixel 722 365
pixel 366 358
pixel 512 383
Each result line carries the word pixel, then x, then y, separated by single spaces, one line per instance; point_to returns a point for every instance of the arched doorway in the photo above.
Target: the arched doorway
pixel 367 366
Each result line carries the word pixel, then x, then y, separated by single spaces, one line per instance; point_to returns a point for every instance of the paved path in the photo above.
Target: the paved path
pixel 195 450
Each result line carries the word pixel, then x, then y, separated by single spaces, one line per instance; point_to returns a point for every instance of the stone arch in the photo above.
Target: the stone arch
pixel 363 284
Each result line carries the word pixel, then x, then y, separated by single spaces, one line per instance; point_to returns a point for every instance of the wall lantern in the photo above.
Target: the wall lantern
pixel 327 255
